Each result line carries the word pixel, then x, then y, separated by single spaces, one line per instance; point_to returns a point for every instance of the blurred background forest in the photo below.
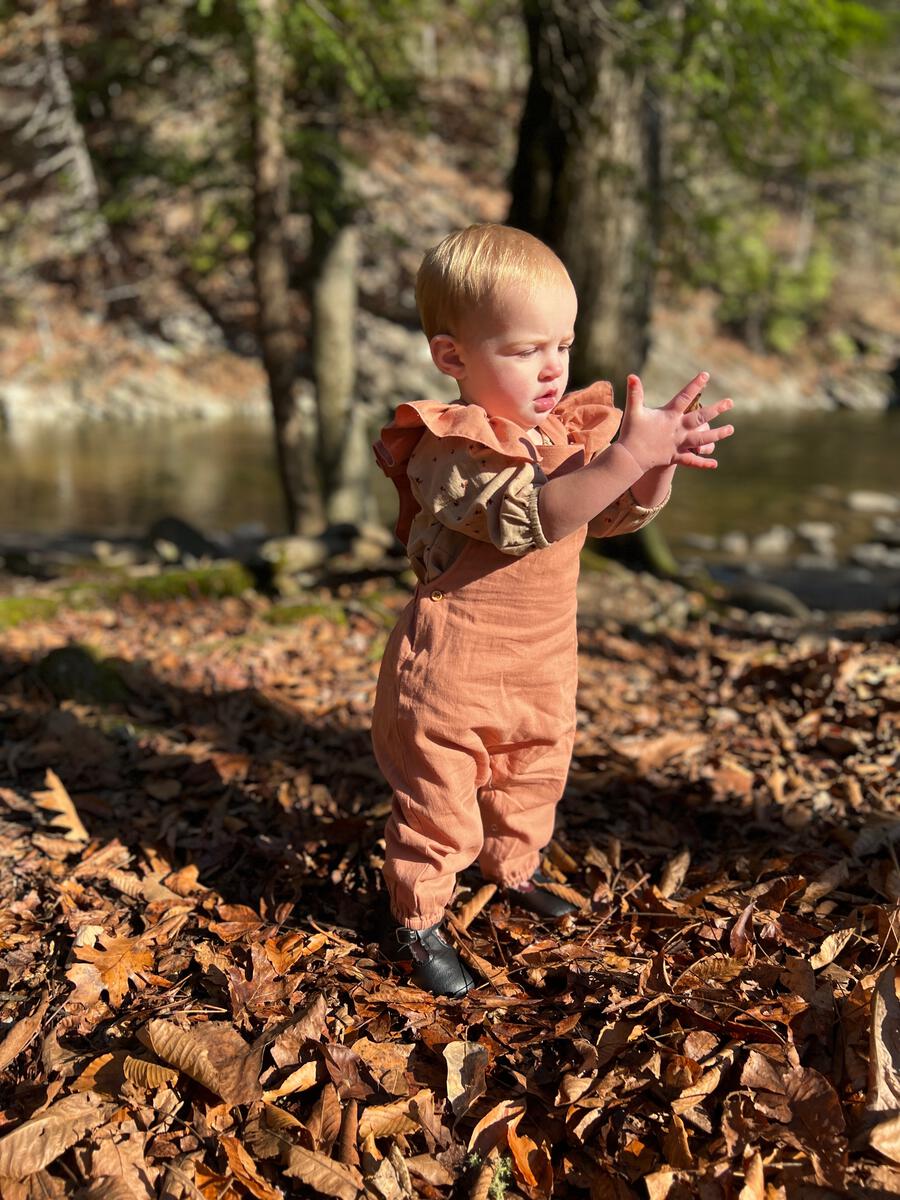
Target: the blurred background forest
pixel 212 215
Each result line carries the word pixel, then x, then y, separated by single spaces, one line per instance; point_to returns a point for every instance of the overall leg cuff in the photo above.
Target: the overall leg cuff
pixel 517 875
pixel 420 922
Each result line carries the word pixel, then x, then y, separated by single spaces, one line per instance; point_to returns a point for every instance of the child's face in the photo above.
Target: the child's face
pixel 512 357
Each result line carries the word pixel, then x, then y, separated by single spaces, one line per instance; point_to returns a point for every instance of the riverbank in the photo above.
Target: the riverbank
pixel 40 577
pixel 61 366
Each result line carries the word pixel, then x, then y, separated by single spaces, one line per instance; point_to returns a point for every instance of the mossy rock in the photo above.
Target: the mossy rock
pixel 222 579
pixel 16 609
pixel 217 581
pixel 77 673
pixel 592 561
pixel 290 614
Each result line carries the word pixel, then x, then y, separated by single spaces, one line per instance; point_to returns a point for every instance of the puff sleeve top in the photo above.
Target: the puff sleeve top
pixel 462 474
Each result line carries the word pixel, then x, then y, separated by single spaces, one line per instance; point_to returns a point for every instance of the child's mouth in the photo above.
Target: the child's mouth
pixel 546 402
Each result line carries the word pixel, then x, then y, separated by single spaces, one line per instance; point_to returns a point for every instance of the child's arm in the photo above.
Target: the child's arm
pixel 653 487
pixel 650 439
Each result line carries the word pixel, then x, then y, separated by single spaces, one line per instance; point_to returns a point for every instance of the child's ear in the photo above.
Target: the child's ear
pixel 445 354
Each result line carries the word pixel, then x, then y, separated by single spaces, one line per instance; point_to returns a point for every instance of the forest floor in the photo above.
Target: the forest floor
pixel 193 1003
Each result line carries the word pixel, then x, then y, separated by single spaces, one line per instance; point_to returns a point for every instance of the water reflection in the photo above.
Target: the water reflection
pixel 117 480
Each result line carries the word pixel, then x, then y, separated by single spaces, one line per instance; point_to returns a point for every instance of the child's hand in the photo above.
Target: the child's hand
pixel 669 436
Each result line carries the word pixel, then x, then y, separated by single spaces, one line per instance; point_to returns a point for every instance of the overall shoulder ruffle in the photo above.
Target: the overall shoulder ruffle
pixel 400 437
pixel 590 417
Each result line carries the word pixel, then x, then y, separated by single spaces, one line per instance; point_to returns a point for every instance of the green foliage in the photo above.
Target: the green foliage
pixel 135 72
pixel 503 1177
pixel 356 54
pixel 348 60
pixel 224 235
pixel 764 296
pixel 354 51
pixel 841 345
pixel 764 104
pixel 773 81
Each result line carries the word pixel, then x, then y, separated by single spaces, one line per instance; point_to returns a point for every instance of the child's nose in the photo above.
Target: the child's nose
pixel 553 366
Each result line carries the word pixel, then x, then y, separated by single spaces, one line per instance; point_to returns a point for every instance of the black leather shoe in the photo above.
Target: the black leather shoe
pixel 432 962
pixel 537 899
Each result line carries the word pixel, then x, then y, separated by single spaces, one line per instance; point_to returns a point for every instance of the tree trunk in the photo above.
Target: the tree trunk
pixel 344 477
pixel 294 448
pixel 586 181
pixel 87 229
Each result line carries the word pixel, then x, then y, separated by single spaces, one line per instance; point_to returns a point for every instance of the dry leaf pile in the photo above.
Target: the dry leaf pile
pixel 191 998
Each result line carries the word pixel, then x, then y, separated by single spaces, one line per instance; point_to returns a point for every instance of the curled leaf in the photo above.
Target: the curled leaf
pixel 58 800
pixel 148 1074
pixel 44 1138
pixel 182 1050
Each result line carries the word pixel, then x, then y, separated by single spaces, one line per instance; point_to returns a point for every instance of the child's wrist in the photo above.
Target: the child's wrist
pixel 654 486
pixel 623 446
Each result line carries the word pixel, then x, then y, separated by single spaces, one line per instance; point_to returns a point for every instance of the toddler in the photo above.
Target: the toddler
pixel 474 717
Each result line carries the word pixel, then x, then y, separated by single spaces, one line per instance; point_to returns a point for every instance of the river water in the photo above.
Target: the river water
pixel 116 480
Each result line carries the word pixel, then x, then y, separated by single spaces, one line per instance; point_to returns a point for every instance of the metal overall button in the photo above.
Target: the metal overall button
pixel 437 595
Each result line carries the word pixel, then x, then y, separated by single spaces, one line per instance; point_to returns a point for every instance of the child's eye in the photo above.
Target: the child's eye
pixel 565 349
pixel 527 353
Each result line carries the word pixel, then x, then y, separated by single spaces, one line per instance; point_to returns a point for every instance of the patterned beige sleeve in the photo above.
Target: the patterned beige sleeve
pixel 624 515
pixel 478 492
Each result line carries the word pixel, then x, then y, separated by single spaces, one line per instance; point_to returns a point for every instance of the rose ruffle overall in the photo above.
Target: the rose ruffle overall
pixel 474 716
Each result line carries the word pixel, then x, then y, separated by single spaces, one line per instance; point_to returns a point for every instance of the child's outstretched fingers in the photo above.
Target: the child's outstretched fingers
pixel 691 458
pixel 688 394
pixel 634 393
pixel 702 417
pixel 701 440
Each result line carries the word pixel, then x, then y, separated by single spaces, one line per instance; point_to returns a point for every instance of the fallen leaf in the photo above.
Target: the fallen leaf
pixel 301 1080
pixel 246 1171
pixel 467 912
pixel 120 961
pixel 673 873
pixel 466 1064
pixel 58 800
pixel 531 1161
pixel 831 947
pixel 322 1174
pixel 42 1139
pixel 387 1120
pixel 883 1096
pixel 22 1032
pixel 491 1129
pixel 885 1138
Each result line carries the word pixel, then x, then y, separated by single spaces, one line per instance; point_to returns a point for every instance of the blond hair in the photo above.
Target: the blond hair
pixel 469 267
